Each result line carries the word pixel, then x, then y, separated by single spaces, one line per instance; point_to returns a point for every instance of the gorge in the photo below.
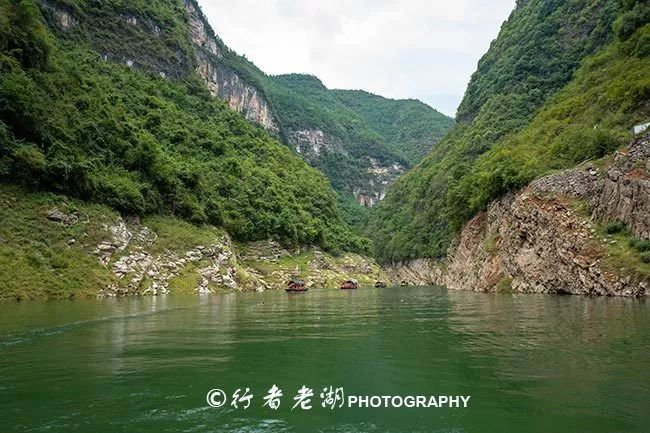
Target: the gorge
pixel 136 118
pixel 159 193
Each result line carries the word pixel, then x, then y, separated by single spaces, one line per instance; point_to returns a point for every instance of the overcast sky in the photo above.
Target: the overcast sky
pixel 396 48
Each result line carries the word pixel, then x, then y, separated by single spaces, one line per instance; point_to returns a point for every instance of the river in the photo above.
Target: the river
pixel 531 363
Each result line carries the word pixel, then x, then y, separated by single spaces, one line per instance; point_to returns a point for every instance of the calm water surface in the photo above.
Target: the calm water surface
pixel 531 363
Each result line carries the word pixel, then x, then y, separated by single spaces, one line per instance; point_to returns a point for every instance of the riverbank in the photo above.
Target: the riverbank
pixel 53 247
pixel 581 231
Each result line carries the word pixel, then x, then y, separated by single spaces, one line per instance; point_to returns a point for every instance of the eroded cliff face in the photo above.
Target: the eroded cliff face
pixel 311 144
pixel 378 178
pixel 370 188
pixel 549 239
pixel 222 81
pixel 171 59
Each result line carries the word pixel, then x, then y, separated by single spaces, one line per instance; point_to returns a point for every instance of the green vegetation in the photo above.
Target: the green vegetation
pixel 526 112
pixel 614 227
pixel 120 29
pixel 44 259
pixel 367 125
pixel 74 123
pixel 302 102
pixel 624 253
pixel 504 285
pixel 176 235
pixel 153 37
pixel 588 119
pixel 491 243
pixel 37 256
pixel 370 126
pixel 409 127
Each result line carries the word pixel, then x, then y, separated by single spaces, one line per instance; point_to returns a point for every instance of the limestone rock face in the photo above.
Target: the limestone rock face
pixel 370 188
pixel 624 193
pixel 141 266
pixel 313 143
pixel 224 84
pixel 200 34
pixel 222 81
pixel 378 178
pixel 419 272
pixel 542 240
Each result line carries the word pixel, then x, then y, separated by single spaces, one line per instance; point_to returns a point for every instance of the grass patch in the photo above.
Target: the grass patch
pixel 38 258
pixel 504 285
pixel 178 235
pixel 615 227
pixel 187 281
pixel 581 207
pixel 623 253
pixel 491 243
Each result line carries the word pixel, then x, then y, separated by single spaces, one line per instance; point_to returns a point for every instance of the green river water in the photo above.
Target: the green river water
pixel 531 363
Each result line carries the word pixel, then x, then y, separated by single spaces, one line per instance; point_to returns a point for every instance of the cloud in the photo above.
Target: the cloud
pixel 399 49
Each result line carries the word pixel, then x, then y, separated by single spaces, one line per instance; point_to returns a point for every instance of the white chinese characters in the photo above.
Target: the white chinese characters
pixel 331 398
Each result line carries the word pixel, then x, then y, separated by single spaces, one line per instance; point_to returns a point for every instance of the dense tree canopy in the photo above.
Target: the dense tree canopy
pixel 73 122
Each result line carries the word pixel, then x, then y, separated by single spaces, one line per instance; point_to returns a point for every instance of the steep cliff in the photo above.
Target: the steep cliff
pixel 172 39
pixel 581 231
pixel 224 82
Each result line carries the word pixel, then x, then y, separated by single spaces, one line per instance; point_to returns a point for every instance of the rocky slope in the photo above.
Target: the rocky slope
pixel 52 246
pixel 581 231
pixel 224 82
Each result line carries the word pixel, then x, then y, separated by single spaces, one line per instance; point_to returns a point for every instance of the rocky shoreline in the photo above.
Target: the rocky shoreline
pixel 558 235
pixel 129 250
pixel 551 237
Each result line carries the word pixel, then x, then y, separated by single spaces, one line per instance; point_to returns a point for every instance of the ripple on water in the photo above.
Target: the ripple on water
pixel 533 363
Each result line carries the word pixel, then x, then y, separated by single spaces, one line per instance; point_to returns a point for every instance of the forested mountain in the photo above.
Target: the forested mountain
pixel 361 141
pixel 409 127
pixel 369 139
pixel 78 117
pixel 564 82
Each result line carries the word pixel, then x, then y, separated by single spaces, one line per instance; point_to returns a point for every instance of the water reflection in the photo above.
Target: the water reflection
pixel 531 363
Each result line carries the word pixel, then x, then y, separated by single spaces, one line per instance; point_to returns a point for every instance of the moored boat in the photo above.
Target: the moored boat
pixel 296 285
pixel 349 284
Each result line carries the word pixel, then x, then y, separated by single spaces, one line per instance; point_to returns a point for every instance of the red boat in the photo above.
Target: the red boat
pixel 349 284
pixel 296 285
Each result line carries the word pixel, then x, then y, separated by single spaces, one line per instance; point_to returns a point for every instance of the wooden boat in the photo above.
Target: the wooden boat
pixel 349 284
pixel 296 285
